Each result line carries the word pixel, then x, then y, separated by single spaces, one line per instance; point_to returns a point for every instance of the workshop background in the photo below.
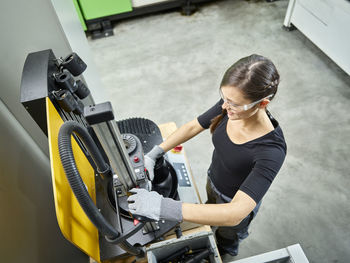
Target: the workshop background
pixel 168 67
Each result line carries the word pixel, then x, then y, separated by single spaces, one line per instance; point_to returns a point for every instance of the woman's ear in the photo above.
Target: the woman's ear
pixel 264 103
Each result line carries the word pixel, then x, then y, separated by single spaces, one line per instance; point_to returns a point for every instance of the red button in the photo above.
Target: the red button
pixel 136 159
pixel 178 148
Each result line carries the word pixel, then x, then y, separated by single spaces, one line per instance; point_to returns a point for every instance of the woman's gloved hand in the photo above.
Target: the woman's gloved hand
pixel 151 158
pixel 154 206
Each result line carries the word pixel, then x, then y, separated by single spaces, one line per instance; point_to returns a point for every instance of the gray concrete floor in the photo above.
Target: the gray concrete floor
pixel 167 67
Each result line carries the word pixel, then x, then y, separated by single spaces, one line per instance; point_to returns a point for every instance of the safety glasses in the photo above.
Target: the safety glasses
pixel 246 107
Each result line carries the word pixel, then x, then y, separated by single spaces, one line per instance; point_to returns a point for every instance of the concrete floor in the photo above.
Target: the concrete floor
pixel 167 67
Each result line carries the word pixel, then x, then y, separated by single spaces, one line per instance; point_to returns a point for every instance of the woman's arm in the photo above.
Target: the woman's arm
pixel 181 135
pixel 229 214
pixel 154 206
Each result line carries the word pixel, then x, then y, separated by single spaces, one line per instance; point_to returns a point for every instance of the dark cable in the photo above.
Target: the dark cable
pixel 77 184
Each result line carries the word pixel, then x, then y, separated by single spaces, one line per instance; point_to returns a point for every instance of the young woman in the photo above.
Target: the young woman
pixel 249 151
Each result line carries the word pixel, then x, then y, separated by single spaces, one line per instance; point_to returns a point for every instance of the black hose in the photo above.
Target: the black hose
pixel 77 184
pixel 201 255
pixel 133 250
pixel 175 255
pixel 74 178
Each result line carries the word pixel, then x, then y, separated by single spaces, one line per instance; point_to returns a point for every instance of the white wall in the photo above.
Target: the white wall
pixel 28 226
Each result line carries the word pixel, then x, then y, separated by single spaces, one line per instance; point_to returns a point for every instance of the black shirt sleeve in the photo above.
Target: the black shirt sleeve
pixel 266 166
pixel 205 118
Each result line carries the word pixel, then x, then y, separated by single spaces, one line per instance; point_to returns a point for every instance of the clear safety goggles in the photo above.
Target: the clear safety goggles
pixel 245 107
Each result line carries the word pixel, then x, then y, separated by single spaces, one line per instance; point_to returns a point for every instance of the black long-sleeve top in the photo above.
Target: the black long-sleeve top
pixel 250 167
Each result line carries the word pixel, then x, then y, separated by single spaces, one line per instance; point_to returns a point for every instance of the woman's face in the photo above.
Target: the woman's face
pixel 233 96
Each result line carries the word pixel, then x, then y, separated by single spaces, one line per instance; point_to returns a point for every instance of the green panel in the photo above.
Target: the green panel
pixel 99 8
pixel 80 15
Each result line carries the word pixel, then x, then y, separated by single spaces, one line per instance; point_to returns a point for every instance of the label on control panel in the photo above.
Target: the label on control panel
pixel 182 174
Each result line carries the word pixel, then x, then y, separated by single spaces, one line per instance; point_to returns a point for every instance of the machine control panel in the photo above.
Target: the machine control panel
pixel 186 187
pixel 134 149
pixel 182 174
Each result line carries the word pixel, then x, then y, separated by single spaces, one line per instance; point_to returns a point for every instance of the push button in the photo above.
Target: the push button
pixel 178 148
pixel 136 159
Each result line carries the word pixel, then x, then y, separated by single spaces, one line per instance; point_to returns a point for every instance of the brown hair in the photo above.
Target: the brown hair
pixel 255 75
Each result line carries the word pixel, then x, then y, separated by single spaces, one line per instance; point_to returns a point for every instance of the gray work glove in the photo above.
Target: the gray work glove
pixel 151 158
pixel 154 206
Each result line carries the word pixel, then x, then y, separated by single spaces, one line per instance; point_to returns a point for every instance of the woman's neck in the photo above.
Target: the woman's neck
pixel 257 119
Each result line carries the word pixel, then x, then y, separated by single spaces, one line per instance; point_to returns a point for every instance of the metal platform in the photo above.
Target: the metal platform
pixel 290 254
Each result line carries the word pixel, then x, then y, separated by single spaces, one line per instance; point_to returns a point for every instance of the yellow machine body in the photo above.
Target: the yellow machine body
pixel 72 220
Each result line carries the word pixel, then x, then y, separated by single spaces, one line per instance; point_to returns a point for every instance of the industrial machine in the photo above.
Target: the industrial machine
pixel 324 23
pixel 96 16
pixel 96 160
